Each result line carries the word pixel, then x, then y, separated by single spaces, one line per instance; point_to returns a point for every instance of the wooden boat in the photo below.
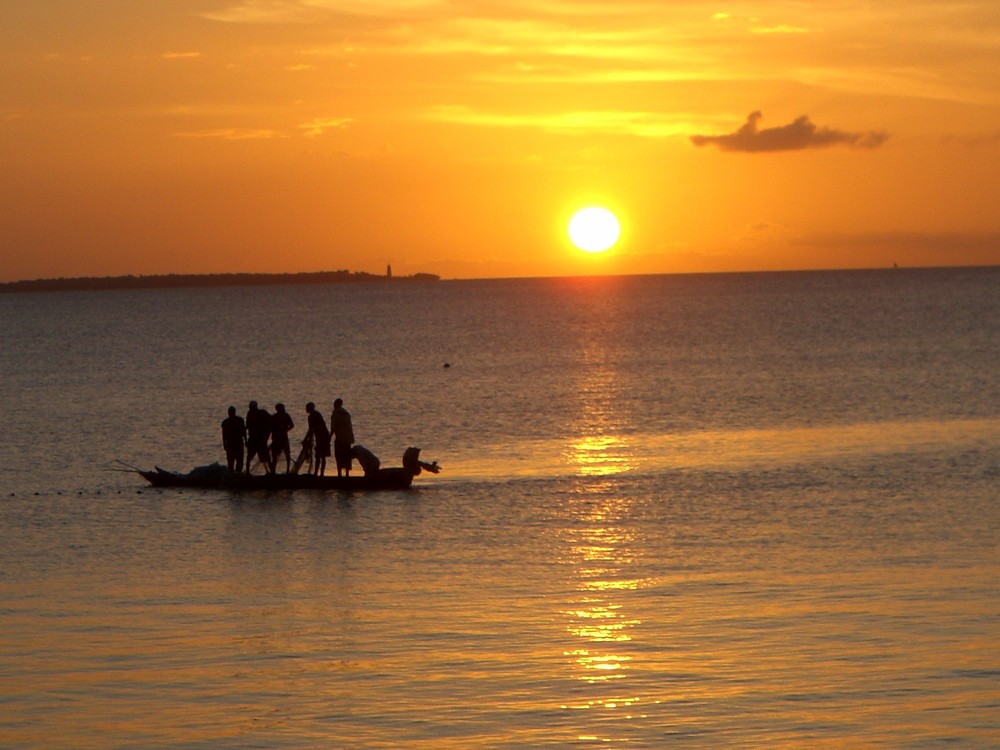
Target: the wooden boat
pixel 218 477
pixel 215 476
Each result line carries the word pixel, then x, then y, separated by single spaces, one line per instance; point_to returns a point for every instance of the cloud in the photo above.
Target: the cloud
pixel 641 124
pixel 232 134
pixel 780 29
pixel 312 11
pixel 981 139
pixel 265 11
pixel 319 125
pixel 800 134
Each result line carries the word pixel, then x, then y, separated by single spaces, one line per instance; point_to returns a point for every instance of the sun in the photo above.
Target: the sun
pixel 594 229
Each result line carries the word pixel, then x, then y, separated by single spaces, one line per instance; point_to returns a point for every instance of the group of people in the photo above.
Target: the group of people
pixel 249 437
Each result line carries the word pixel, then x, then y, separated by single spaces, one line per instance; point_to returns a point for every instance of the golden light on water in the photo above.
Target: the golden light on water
pixel 601 623
pixel 601 455
pixel 600 618
pixel 599 539
pixel 597 446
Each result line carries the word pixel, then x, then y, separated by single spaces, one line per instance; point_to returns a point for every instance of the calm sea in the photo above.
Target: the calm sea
pixel 726 511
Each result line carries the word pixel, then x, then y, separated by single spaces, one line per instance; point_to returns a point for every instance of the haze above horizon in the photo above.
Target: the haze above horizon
pixel 200 137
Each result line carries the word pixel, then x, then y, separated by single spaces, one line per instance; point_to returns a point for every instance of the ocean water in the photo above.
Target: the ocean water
pixel 724 511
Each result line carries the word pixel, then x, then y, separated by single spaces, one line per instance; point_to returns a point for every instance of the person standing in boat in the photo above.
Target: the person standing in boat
pixel 319 436
pixel 281 423
pixel 343 437
pixel 234 438
pixel 258 431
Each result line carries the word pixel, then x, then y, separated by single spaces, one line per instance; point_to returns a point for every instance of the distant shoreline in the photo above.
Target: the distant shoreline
pixel 179 281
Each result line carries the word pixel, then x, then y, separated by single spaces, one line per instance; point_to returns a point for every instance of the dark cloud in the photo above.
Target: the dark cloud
pixel 800 134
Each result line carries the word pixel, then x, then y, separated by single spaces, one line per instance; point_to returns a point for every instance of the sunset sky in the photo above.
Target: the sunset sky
pixel 459 137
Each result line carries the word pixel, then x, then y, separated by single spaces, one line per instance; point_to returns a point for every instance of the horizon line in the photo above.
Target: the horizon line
pixel 265 278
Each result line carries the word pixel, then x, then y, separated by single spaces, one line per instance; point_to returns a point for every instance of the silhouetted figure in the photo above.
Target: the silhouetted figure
pixel 281 423
pixel 319 435
pixel 413 464
pixel 258 431
pixel 234 438
pixel 370 463
pixel 305 455
pixel 343 437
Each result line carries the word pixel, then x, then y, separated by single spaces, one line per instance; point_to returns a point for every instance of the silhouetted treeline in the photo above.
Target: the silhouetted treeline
pixel 173 280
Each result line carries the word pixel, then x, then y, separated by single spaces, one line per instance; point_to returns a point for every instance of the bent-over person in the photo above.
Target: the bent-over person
pixel 370 463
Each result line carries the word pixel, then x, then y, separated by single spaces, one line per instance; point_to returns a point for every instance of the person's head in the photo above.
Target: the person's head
pixel 310 407
pixel 279 407
pixel 232 411
pixel 253 405
pixel 338 403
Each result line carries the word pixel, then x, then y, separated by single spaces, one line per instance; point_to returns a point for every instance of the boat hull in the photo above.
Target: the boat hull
pixel 384 479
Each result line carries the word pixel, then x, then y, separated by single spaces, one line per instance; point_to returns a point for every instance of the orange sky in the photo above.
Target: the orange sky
pixel 458 137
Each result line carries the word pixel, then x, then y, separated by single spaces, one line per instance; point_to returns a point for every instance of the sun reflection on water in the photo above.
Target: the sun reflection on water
pixel 600 455
pixel 599 547
pixel 599 620
pixel 602 654
pixel 597 445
